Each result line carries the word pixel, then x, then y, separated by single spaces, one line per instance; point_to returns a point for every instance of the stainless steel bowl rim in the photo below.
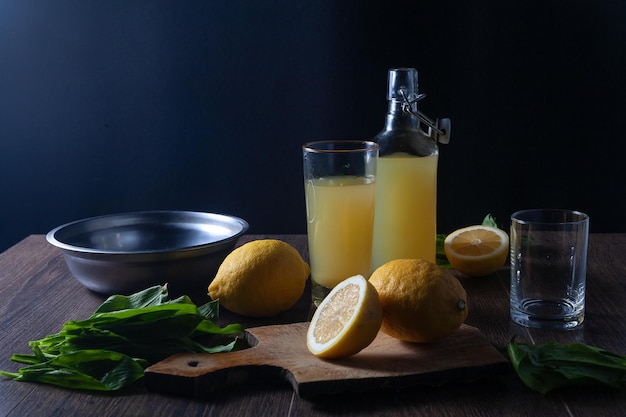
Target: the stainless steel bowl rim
pixel 238 228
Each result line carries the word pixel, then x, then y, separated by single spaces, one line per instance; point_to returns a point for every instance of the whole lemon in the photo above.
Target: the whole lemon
pixel 260 278
pixel 421 302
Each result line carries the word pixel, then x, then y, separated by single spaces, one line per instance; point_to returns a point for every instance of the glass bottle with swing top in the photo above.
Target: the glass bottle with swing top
pixel 405 224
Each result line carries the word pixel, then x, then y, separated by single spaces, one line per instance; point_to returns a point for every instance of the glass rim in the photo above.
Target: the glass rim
pixel 346 146
pixel 577 216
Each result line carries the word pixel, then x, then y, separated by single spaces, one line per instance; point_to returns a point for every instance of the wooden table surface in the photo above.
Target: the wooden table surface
pixel 38 295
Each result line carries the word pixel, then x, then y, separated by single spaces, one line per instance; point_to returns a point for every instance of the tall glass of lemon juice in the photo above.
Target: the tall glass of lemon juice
pixel 340 193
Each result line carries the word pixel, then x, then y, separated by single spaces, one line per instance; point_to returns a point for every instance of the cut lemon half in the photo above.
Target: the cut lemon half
pixel 347 320
pixel 477 251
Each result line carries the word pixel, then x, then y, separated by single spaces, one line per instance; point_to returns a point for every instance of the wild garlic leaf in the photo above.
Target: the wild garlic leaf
pixel 210 310
pixel 99 370
pixel 440 254
pixel 156 295
pixel 549 366
pixel 489 220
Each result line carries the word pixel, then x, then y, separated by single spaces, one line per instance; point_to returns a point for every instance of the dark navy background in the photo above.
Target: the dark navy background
pixel 123 105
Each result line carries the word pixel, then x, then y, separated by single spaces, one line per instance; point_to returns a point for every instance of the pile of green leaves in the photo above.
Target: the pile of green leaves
pixel 126 334
pixel 546 367
pixel 441 259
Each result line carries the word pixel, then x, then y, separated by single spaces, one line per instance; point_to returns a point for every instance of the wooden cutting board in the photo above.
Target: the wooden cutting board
pixel 280 353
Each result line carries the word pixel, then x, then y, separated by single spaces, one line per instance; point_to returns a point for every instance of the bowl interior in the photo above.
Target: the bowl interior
pixel 151 232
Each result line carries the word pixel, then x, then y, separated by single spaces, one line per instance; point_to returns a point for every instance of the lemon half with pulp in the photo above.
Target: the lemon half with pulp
pixel 477 251
pixel 347 320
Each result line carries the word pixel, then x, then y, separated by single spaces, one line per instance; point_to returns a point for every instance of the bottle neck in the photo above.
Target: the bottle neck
pixel 397 118
pixel 397 106
pixel 402 133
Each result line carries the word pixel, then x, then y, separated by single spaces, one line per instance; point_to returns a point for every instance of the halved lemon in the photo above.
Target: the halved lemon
pixel 477 251
pixel 347 320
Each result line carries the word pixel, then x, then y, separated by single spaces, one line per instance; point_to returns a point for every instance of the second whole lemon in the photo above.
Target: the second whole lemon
pixel 421 302
pixel 261 278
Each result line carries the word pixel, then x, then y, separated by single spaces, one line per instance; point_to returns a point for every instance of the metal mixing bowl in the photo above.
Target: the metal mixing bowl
pixel 124 253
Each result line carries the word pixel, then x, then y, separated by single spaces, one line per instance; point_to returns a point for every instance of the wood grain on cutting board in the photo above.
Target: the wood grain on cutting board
pixel 280 354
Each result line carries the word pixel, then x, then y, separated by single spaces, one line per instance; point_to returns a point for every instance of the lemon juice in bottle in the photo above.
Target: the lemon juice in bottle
pixel 405 223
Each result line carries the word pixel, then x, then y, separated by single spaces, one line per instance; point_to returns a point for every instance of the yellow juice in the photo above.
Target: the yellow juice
pixel 406 208
pixel 340 218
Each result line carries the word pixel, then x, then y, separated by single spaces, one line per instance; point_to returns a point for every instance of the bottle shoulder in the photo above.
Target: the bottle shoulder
pixel 409 140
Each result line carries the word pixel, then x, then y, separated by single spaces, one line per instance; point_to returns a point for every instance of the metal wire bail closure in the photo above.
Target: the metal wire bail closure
pixel 438 129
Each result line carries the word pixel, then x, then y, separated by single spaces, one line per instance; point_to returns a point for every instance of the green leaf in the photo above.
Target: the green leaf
pixel 156 295
pixel 207 327
pixel 440 255
pixel 550 366
pixel 154 322
pixel 490 221
pixel 210 310
pixel 99 370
